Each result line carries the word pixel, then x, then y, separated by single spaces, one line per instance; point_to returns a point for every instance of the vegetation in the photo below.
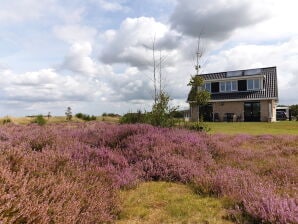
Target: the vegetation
pixel 294 111
pixel 161 114
pixel 68 114
pixel 6 120
pixel 110 115
pixel 165 202
pixel 47 172
pixel 40 120
pixel 254 128
pixel 198 96
pixel 133 118
pixel 85 117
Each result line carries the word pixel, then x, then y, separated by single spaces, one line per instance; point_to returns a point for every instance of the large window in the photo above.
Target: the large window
pixel 207 86
pixel 228 86
pixel 253 84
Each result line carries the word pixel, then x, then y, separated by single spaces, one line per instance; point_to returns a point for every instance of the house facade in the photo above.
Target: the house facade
pixel 243 95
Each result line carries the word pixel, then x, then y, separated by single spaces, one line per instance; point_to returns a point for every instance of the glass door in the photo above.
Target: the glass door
pixel 252 111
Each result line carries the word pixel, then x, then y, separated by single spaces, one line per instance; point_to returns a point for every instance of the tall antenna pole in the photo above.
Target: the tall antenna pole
pixel 160 72
pixel 198 53
pixel 154 70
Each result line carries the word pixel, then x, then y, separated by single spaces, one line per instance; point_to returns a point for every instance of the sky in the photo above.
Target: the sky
pixel 95 56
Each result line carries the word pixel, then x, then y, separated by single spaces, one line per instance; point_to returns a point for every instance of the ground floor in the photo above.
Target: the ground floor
pixel 248 111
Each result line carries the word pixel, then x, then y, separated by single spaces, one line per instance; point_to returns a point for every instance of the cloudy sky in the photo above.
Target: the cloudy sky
pixel 96 55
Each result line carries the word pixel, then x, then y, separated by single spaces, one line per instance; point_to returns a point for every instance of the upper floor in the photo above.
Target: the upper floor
pixel 259 83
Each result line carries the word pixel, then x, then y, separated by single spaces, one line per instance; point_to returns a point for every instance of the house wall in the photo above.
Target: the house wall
pixel 228 107
pixel 267 110
pixel 194 113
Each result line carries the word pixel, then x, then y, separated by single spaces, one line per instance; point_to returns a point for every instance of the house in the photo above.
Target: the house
pixel 243 95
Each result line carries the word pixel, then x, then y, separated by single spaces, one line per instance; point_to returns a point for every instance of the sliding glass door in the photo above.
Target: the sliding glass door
pixel 252 111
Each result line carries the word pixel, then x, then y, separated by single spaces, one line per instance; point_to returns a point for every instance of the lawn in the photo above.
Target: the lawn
pixel 254 128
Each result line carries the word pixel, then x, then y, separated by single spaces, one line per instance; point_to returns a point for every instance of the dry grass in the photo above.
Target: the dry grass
pixel 54 119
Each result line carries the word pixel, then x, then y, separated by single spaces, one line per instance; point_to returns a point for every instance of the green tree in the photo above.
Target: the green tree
pixel 294 110
pixel 198 96
pixel 68 113
pixel 161 114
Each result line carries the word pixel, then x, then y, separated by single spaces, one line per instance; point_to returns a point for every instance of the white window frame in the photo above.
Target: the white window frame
pixel 225 84
pixel 234 89
pixel 209 85
pixel 254 81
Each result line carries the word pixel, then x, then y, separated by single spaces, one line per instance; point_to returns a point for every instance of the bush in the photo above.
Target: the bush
pixel 6 120
pixel 133 118
pixel 79 115
pixel 85 117
pixel 198 126
pixel 40 120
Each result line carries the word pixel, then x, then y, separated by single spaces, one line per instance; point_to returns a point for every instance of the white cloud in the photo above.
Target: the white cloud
pixel 20 11
pixel 132 43
pixel 45 86
pixel 75 33
pixel 112 6
pixel 219 18
pixel 79 59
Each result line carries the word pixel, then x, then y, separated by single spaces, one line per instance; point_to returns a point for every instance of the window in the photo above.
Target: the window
pixel 222 87
pixel 215 87
pixel 228 86
pixel 256 84
pixel 250 84
pixel 207 86
pixel 253 84
pixel 234 85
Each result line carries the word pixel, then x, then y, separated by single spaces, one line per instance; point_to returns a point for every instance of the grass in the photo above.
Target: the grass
pixel 254 128
pixel 163 202
pixel 54 119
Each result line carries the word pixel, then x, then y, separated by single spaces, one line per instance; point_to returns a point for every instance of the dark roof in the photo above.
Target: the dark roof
pixel 269 91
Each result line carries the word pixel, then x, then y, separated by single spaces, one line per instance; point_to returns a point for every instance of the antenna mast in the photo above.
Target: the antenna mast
pixel 198 53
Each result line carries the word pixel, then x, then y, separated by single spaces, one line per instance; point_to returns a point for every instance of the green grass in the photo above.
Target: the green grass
pixel 163 202
pixel 254 128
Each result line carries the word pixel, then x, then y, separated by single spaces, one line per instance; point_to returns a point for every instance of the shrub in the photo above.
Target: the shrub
pixel 198 126
pixel 79 115
pixel 40 120
pixel 6 120
pixel 133 118
pixel 85 117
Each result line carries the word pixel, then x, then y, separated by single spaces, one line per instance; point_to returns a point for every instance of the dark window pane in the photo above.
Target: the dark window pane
pixel 242 85
pixel 215 87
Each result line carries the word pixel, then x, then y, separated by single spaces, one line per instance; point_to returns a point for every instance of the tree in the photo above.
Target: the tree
pixel 68 113
pixel 294 110
pixel 198 96
pixel 162 113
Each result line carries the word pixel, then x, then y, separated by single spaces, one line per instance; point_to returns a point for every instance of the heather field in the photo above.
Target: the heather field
pixel 96 172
